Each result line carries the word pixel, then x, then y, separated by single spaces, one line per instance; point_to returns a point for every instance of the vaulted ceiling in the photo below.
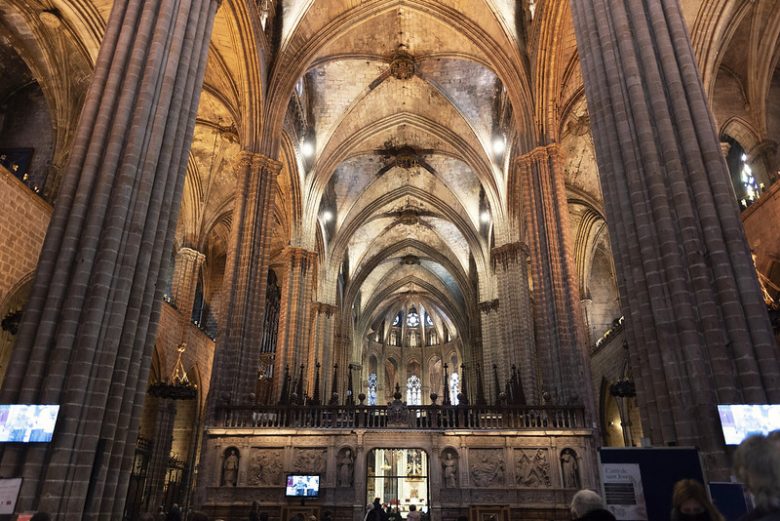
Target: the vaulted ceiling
pixel 403 130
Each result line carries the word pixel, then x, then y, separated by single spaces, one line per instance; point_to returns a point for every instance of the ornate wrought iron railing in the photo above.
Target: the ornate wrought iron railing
pixel 425 417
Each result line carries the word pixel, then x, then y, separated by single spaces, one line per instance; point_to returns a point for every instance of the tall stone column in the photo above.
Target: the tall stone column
pixel 323 347
pixel 161 453
pixel 87 335
pixel 185 280
pixel 697 325
pixel 237 357
pixel 296 314
pixel 561 341
pixel 516 322
pixel 491 344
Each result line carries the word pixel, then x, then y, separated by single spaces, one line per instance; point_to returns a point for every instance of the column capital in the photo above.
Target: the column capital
pixel 325 309
pixel 259 163
pixel 296 252
pixel 511 252
pixel 540 153
pixel 192 253
pixel 488 306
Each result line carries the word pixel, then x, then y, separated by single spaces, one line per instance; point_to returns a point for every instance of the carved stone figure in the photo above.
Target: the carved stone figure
pixel 230 468
pixel 449 470
pixel 345 468
pixel 533 471
pixel 570 469
pixel 487 468
pixel 309 460
pixel 266 468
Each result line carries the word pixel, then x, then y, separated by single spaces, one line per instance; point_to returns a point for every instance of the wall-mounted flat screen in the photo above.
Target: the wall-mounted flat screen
pixel 27 423
pixel 740 421
pixel 302 485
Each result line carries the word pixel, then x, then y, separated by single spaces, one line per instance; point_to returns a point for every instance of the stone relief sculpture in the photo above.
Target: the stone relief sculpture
pixel 532 470
pixel 230 468
pixel 265 469
pixel 309 460
pixel 346 462
pixel 449 468
pixel 570 469
pixel 486 467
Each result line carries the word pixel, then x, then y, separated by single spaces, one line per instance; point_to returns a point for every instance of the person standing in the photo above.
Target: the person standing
pixel 586 505
pixel 414 514
pixel 757 466
pixel 690 503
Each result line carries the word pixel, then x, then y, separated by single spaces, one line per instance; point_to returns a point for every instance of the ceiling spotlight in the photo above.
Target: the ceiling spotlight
pixel 307 149
pixel 499 145
pixel 327 215
pixel 485 217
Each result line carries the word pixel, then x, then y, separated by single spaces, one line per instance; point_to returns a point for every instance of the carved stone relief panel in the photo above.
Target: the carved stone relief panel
pixel 309 461
pixel 532 468
pixel 486 467
pixel 266 468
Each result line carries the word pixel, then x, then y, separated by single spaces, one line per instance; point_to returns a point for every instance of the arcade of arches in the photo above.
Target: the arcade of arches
pixel 434 251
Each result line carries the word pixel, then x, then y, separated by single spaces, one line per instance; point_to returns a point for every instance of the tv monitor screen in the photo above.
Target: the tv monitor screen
pixel 27 423
pixel 302 485
pixel 740 421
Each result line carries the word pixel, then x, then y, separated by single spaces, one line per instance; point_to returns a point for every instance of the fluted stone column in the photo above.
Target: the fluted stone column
pixel 491 343
pixel 185 280
pixel 697 325
pixel 323 347
pixel 296 314
pixel 561 342
pixel 237 356
pixel 161 453
pixel 86 339
pixel 516 325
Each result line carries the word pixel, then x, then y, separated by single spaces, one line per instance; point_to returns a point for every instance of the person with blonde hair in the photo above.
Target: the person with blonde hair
pixel 690 503
pixel 757 466
pixel 587 505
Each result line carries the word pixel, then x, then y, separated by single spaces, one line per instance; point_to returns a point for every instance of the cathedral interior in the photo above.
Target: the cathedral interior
pixel 433 251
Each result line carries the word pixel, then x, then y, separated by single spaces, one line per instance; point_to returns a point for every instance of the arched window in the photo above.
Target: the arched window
pixel 413 318
pixel 454 388
pixel 397 320
pixel 749 183
pixel 372 389
pixel 414 391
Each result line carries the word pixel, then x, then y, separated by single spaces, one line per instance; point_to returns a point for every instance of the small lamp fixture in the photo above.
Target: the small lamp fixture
pixel 484 217
pixel 499 145
pixel 178 387
pixel 307 148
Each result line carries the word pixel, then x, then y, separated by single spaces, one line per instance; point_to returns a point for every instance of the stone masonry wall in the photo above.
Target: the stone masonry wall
pixel 24 218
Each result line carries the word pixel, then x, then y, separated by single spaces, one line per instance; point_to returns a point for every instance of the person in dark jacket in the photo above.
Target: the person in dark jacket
pixel 690 503
pixel 757 466
pixel 174 514
pixel 586 505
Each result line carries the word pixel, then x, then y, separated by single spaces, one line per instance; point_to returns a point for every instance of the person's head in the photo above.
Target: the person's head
pixel 690 502
pixel 377 503
pixel 412 508
pixel 757 465
pixel 584 502
pixel 41 516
